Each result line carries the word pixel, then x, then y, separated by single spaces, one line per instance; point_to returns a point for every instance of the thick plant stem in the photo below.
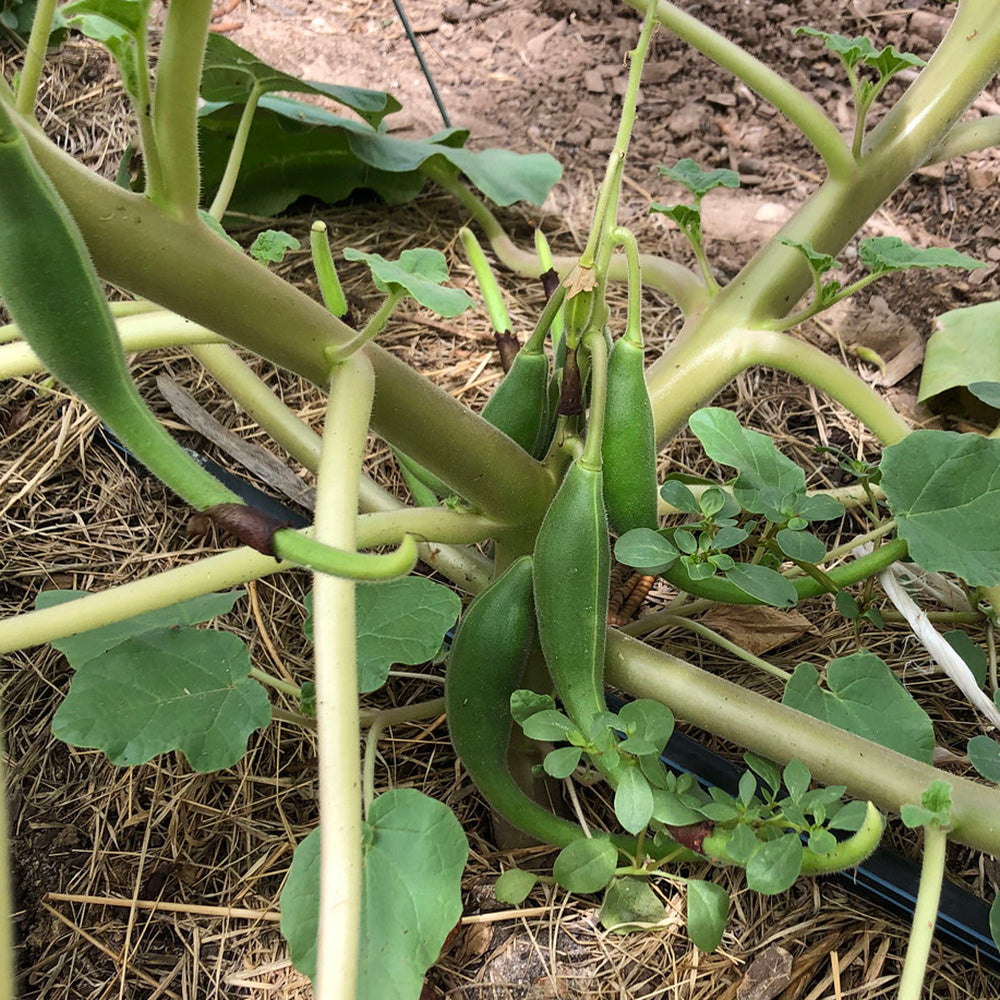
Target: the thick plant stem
pixel 924 913
pixel 175 103
pixel 214 284
pixel 833 756
pixel 352 386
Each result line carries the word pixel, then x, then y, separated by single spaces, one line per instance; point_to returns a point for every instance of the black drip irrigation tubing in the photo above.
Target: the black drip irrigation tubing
pixel 886 878
pixel 411 35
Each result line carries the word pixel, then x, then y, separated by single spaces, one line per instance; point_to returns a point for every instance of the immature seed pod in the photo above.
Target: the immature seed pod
pixel 519 404
pixel 572 581
pixel 628 448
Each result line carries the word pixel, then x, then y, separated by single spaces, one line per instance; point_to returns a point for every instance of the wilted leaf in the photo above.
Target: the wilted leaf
pixel 757 627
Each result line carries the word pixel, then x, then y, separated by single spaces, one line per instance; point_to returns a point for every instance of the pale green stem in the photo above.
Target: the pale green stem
pixel 374 326
pixel 486 279
pixel 633 326
pixel 175 105
pixel 815 308
pixel 594 340
pixel 668 621
pixel 965 138
pixel 34 57
pixel 260 401
pixel 232 172
pixel 352 387
pixel 800 110
pixel 683 286
pixel 924 913
pixel 293 718
pixel 275 682
pixel 818 369
pixel 435 524
pixel 870 536
pixel 833 756
pixel 144 332
pixel 326 270
pixel 381 722
pixel 849 496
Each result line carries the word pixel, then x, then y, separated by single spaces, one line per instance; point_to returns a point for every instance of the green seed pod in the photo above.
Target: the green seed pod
pixel 572 580
pixel 487 658
pixel 628 448
pixel 519 404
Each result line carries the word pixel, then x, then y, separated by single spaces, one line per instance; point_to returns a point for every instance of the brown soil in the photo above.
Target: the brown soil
pixel 545 75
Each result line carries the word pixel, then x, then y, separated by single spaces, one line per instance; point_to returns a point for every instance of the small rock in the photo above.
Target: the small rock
pixel 660 72
pixel 593 81
pixel 769 973
pixel 601 144
pixel 928 25
pixel 454 12
pixel 722 100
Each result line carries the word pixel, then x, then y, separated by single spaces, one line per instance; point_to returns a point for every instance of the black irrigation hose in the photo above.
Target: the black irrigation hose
pixel 886 878
pixel 420 59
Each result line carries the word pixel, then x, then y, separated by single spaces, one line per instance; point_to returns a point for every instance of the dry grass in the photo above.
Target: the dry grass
pixel 158 882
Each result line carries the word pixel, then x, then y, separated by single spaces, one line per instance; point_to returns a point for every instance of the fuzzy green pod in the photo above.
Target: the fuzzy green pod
pixel 519 404
pixel 572 581
pixel 628 447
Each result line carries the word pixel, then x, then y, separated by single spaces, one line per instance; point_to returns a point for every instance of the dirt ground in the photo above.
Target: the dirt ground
pixel 96 847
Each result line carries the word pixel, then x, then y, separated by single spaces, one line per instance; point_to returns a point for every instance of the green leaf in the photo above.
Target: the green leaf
pixel 116 24
pixel 687 217
pixel 561 763
pixel 271 245
pixel 678 495
pixel 298 149
pixel 973 655
pixel 747 788
pixel 819 263
pixel 548 725
pixel 767 769
pixel 586 865
pixel 774 866
pixel 230 74
pixel 985 756
pixel 720 812
pixel 84 646
pixel 633 800
pixel 707 912
pixel 850 817
pixel 645 549
pixel 800 545
pixel 882 254
pixel 741 844
pixel 765 584
pixel 819 507
pixel 217 228
pixel 847 605
pixel 851 50
pixel 761 467
pixel 726 538
pixel 411 894
pixel 524 704
pixel 514 886
pixel 943 489
pixel 822 841
pixel 652 720
pixel 699 182
pixel 797 778
pixel 420 273
pixel 399 622
pixel 866 699
pixel 166 689
pixel 889 62
pixel 963 351
pixel 630 905
pixel 668 808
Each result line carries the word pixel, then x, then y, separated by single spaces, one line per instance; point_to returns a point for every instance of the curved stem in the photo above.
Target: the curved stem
pixel 924 913
pixel 435 524
pixel 175 104
pixel 833 756
pixel 378 725
pixel 966 137
pixel 800 110
pixel 818 369
pixel 275 682
pixel 374 326
pixel 232 172
pixel 352 386
pixel 260 401
pixel 594 340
